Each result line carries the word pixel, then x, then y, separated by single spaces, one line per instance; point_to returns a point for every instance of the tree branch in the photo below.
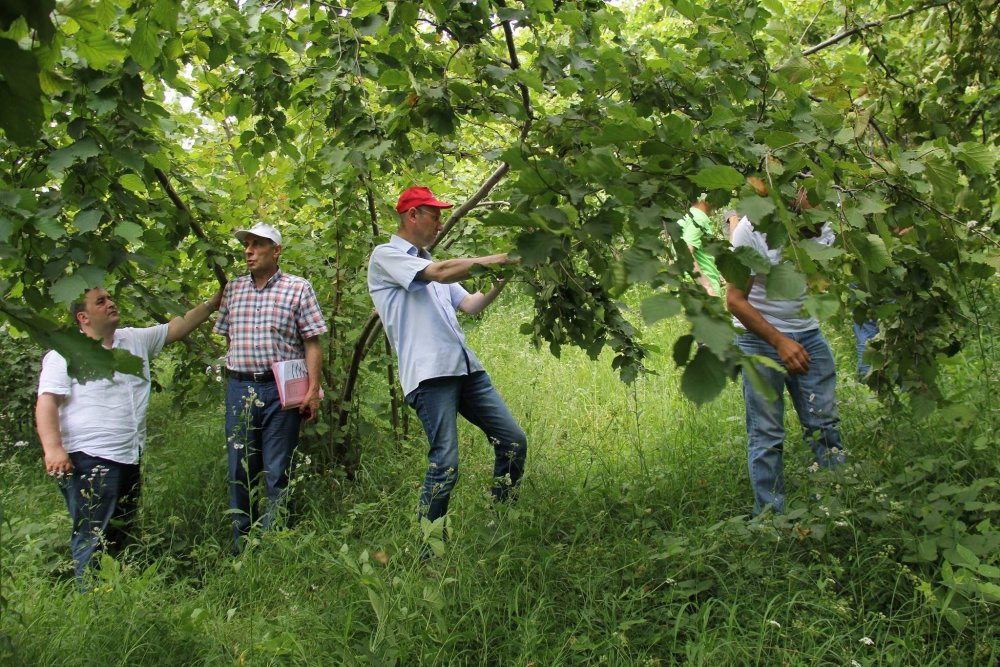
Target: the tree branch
pixel 839 37
pixel 220 275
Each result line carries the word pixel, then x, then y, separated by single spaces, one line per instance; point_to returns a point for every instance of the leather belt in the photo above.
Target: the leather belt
pixel 263 376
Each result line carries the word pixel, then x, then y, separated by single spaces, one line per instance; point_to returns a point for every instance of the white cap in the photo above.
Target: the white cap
pixel 262 230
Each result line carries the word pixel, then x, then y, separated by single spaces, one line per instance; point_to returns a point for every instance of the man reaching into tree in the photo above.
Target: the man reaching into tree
pixel 266 316
pixel 416 298
pixel 778 329
pixel 93 433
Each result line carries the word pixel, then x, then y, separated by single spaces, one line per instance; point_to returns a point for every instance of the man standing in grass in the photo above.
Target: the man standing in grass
pixel 416 298
pixel 779 330
pixel 266 316
pixel 93 433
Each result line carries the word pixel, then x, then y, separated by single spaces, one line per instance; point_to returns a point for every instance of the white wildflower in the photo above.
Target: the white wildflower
pixel 21 443
pixel 259 403
pixel 867 641
pixel 775 624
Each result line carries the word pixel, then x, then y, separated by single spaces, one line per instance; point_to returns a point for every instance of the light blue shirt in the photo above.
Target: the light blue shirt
pixel 418 315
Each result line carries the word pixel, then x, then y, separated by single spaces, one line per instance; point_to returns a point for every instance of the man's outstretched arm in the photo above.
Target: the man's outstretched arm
pixel 181 326
pixel 453 270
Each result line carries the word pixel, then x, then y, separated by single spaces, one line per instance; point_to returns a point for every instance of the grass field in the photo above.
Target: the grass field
pixel 631 543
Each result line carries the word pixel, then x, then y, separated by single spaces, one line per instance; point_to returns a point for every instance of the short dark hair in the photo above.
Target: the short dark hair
pixel 79 305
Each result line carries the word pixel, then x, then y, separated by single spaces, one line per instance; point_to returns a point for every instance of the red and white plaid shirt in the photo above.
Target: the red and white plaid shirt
pixel 268 324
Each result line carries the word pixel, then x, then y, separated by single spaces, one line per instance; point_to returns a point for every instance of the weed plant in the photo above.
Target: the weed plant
pixel 631 543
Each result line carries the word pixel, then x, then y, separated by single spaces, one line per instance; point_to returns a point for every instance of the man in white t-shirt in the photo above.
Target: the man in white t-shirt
pixel 93 433
pixel 780 330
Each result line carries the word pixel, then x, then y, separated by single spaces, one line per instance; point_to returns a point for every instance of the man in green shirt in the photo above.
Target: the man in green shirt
pixel 696 226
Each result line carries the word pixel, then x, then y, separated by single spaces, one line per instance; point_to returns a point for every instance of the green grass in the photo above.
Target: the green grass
pixel 630 545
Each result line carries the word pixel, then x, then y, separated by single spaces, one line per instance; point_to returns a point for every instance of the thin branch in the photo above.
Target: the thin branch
pixel 195 227
pixel 839 37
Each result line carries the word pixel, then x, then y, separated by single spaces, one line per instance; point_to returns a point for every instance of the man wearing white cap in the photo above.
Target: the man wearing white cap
pixel 416 298
pixel 266 316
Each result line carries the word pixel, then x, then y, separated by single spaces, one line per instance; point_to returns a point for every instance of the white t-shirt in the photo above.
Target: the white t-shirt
pixel 785 316
pixel 105 418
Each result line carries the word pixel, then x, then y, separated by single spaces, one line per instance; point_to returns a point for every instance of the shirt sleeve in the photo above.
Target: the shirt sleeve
pixel 221 325
pixel 152 339
pixel 54 378
pixel 744 236
pixel 309 318
pixel 396 268
pixel 457 294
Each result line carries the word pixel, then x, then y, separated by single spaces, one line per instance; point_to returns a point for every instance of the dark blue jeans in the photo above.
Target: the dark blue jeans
pixel 814 401
pixel 103 501
pixel 863 333
pixel 261 439
pixel 438 403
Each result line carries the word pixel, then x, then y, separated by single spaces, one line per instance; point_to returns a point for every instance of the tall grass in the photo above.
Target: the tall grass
pixel 630 545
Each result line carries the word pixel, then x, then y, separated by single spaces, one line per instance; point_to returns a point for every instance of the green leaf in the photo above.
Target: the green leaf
pixel 785 283
pixel 822 306
pixel 144 47
pixel 704 378
pixel 682 349
pixel 50 227
pixel 69 288
pixel 80 150
pixel 718 177
pixel 363 8
pixel 819 252
pixel 752 259
pixel 21 113
pixel 873 253
pixel 980 158
pixel 536 247
pixel 620 133
pixel 88 221
pixel 755 208
pixel 732 269
pixel 757 381
pixel 129 231
pixel 717 334
pixel 943 177
pixel 99 49
pixel 642 265
pixel 132 182
pixel 659 307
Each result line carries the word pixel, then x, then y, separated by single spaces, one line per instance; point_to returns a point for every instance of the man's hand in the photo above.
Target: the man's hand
pixel 310 405
pixel 793 355
pixel 57 461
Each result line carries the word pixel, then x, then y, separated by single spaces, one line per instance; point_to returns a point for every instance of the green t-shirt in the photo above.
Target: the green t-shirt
pixel 695 226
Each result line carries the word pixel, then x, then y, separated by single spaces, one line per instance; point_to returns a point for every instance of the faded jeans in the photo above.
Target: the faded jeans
pixel 438 403
pixel 813 398
pixel 260 439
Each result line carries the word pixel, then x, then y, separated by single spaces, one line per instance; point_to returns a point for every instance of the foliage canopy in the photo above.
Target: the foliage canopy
pixel 137 135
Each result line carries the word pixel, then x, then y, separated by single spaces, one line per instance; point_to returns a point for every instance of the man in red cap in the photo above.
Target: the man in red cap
pixel 416 298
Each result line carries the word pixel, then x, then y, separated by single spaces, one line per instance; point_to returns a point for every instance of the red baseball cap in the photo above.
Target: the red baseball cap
pixel 416 196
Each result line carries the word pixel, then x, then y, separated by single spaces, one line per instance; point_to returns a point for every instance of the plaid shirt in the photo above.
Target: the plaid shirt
pixel 269 324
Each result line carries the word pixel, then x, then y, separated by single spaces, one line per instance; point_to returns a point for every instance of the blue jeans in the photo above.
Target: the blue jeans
pixel 863 333
pixel 260 439
pixel 813 398
pixel 438 403
pixel 103 502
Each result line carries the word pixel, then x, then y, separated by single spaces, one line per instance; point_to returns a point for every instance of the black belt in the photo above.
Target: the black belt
pixel 263 376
